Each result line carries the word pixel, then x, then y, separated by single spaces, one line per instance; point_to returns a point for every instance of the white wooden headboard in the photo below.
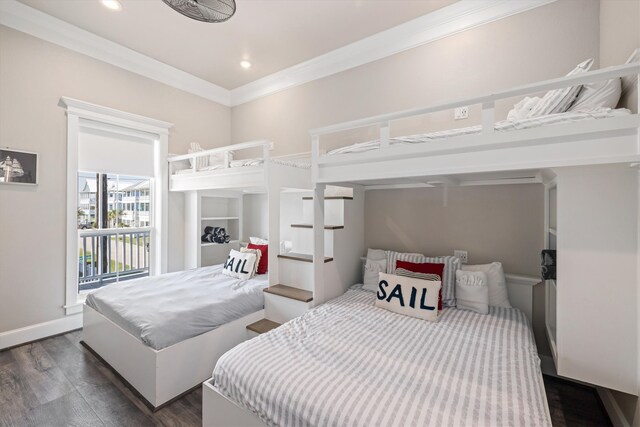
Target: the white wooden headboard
pixel 520 289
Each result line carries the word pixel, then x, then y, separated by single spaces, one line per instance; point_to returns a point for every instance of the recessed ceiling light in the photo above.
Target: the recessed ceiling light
pixel 245 64
pixel 111 4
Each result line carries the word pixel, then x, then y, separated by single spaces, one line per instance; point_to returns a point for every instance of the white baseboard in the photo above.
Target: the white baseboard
pixel 39 331
pixel 613 410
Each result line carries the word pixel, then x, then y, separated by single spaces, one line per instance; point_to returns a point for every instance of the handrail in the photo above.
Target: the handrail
pixel 383 119
pixel 225 149
pixel 112 231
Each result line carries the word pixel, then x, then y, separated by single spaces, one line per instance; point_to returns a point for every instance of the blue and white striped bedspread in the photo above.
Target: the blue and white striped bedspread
pixel 348 363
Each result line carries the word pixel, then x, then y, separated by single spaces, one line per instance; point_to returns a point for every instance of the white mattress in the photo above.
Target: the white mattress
pixel 348 363
pixel 170 308
pixel 501 126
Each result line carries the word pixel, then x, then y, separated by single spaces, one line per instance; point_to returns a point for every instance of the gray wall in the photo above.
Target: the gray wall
pixel 493 223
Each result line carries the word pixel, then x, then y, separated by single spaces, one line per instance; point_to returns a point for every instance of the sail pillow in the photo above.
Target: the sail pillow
pixel 240 265
pixel 408 296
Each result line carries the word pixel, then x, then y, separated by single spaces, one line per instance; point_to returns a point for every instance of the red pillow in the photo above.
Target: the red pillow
pixel 427 268
pixel 263 266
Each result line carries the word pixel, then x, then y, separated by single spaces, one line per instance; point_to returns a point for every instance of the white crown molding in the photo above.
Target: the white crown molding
pixel 21 17
pixel 99 113
pixel 457 17
pixel 452 19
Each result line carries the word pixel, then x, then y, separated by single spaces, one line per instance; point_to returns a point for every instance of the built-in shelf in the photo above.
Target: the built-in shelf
pixel 219 218
pixel 219 244
pixel 290 292
pixel 262 326
pixel 326 227
pixel 301 257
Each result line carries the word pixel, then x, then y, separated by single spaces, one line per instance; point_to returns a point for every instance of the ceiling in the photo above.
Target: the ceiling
pixel 272 34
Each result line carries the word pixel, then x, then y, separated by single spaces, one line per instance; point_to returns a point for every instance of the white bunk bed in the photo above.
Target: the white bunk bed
pixel 162 375
pixel 487 154
pixel 251 173
pixel 562 140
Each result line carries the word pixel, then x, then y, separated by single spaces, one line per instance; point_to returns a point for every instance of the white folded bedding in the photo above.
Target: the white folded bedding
pixel 349 363
pixel 170 308
pixel 501 126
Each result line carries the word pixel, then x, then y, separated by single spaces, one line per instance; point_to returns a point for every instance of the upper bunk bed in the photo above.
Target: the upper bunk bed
pixel 216 169
pixel 583 136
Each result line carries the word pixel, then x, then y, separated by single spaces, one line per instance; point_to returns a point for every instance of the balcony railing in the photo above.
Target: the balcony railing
pixel 111 255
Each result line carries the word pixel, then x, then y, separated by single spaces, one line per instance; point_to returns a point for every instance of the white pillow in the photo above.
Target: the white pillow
pixel 522 109
pixel 376 254
pixel 218 158
pixel 239 265
pixel 498 296
pixel 258 241
pixel 201 162
pixel 604 94
pixel 559 100
pixel 472 291
pixel 372 270
pixel 257 253
pixel 408 296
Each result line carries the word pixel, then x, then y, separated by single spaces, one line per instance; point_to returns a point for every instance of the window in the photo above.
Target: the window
pixel 114 235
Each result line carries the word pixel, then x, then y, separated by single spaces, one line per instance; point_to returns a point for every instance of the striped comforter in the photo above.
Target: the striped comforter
pixel 348 363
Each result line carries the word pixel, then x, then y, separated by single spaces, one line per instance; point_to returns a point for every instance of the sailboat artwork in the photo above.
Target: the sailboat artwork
pixel 18 167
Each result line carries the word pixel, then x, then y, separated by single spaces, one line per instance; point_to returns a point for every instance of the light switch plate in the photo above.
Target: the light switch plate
pixel 463 255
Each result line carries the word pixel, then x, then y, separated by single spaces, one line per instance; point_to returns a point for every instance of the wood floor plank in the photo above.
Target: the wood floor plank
pixel 112 407
pixel 68 410
pixel 5 358
pixel 16 397
pixel 41 374
pixel 79 366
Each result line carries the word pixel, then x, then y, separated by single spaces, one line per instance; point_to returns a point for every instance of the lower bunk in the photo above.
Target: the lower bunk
pixel 348 362
pixel 164 334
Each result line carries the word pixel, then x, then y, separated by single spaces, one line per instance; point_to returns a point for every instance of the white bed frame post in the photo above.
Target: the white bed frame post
pixel 385 133
pixel 273 196
pixel 315 155
pixel 488 116
pixel 318 244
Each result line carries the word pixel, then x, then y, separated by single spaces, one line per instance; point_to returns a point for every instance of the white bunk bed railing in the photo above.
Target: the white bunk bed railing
pixel 226 151
pixel 629 72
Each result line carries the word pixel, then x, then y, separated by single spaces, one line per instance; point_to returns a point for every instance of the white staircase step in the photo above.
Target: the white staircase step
pixel 301 257
pixel 330 198
pixel 290 292
pixel 326 227
pixel 262 326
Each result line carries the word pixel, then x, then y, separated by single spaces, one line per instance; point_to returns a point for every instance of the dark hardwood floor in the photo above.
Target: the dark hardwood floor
pixel 58 382
pixel 572 404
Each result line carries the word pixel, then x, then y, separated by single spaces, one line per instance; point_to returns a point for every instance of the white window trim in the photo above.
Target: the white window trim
pixel 130 124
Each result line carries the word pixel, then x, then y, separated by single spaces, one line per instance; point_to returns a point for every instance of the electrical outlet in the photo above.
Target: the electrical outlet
pixel 461 113
pixel 463 255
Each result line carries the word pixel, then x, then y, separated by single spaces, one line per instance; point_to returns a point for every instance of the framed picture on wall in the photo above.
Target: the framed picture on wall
pixel 18 167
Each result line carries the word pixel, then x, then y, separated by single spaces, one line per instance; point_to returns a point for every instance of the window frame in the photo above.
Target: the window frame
pixel 82 116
